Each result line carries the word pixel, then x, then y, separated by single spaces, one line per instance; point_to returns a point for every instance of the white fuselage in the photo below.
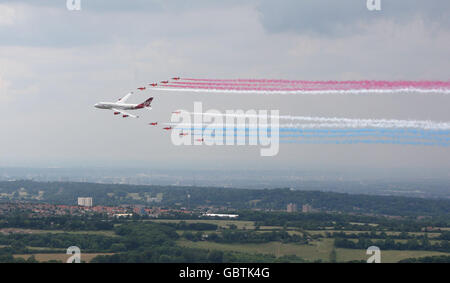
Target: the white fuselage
pixel 111 105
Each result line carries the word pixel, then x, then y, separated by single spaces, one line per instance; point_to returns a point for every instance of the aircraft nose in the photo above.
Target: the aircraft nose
pixel 96 105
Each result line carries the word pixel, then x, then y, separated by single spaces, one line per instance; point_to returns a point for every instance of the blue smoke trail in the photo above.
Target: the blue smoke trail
pixel 327 131
pixel 306 136
pixel 356 141
pixel 323 136
pixel 377 134
pixel 362 141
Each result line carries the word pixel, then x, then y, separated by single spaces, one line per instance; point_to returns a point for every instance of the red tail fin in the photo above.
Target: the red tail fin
pixel 145 103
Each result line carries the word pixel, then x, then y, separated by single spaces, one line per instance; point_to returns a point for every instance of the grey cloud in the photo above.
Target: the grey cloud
pixel 102 22
pixel 155 6
pixel 338 17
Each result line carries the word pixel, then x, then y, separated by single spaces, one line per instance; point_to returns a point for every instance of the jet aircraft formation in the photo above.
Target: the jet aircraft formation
pixel 121 105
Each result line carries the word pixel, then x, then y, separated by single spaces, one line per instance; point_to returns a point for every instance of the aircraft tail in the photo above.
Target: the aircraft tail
pixel 145 103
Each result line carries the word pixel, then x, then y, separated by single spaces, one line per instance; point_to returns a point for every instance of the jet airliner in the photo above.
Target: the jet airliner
pixel 121 105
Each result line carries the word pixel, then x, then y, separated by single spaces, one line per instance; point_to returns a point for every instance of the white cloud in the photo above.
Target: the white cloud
pixel 7 15
pixel 4 85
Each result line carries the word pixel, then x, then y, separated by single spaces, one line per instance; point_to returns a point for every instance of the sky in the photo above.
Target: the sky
pixel 55 64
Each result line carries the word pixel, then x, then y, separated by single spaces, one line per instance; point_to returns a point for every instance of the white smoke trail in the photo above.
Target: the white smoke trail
pixel 332 126
pixel 324 122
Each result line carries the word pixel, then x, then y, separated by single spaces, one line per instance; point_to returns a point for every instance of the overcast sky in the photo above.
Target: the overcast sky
pixel 55 64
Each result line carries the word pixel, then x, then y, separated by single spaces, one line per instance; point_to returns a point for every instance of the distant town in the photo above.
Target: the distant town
pixel 85 207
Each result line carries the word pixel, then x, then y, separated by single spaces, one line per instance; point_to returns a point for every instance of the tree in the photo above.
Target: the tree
pixel 31 259
pixel 333 255
pixel 118 247
pixel 215 256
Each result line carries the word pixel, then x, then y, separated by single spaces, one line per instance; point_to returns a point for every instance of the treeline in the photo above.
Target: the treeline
pixel 445 235
pixel 340 221
pixel 9 258
pixel 135 242
pixel 391 244
pixel 113 194
pixel 175 254
pixel 64 222
pixel 154 242
pixel 197 226
pixel 427 259
pixel 86 242
pixel 236 236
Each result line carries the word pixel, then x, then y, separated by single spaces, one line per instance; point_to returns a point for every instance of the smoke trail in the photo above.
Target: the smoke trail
pixel 283 131
pixel 367 136
pixel 359 141
pixel 294 128
pixel 362 83
pixel 325 122
pixel 218 132
pixel 306 87
pixel 390 136
pixel 398 141
pixel 199 89
pixel 311 86
pixel 356 141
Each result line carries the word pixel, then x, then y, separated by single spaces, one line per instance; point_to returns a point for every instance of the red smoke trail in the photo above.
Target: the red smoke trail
pixel 265 85
pixel 362 82
pixel 287 88
pixel 226 84
pixel 257 88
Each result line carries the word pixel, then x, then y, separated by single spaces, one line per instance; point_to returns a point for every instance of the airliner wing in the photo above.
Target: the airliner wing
pixel 124 114
pixel 125 98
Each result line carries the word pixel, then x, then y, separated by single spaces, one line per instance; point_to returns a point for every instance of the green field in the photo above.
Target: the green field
pixel 221 223
pixel 38 231
pixel 59 256
pixel 389 233
pixel 318 250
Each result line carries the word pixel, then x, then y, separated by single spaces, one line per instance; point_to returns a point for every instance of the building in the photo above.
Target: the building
pixel 139 209
pixel 83 201
pixel 307 208
pixel 118 215
pixel 221 215
pixel 157 199
pixel 291 207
